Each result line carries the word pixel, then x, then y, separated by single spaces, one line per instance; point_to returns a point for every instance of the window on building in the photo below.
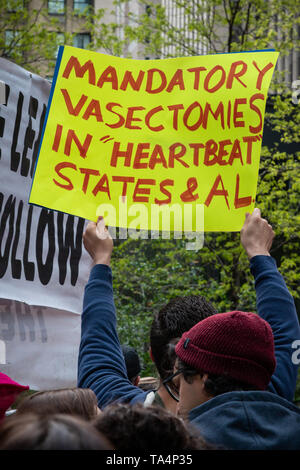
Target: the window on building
pixel 10 36
pixel 56 7
pixel 14 5
pixel 82 40
pixel 12 47
pixel 60 40
pixel 81 5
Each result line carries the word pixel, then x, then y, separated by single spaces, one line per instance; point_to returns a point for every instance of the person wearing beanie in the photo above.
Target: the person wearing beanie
pixel 241 414
pixel 225 365
pixel 237 344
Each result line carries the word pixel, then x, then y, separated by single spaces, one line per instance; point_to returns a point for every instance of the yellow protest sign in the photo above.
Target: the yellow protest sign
pixel 134 139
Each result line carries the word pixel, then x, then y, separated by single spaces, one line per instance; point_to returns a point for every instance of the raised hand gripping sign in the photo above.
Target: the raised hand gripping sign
pixel 127 139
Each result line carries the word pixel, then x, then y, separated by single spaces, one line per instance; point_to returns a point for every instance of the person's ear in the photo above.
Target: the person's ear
pixel 204 378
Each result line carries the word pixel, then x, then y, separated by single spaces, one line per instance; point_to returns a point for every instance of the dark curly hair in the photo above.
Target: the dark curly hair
pixel 146 428
pixel 168 325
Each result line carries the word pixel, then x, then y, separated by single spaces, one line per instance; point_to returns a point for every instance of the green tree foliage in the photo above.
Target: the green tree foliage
pixel 29 36
pixel 148 273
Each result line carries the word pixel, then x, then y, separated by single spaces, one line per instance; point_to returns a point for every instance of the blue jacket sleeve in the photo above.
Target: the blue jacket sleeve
pixel 101 364
pixel 276 305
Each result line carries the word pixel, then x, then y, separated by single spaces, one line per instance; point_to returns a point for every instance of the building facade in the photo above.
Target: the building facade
pixel 65 18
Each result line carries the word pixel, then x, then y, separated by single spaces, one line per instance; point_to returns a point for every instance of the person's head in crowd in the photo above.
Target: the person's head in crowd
pixel 146 428
pixel 227 352
pixel 133 365
pixel 168 325
pixel 32 431
pixel 9 391
pixel 73 401
pixel 176 317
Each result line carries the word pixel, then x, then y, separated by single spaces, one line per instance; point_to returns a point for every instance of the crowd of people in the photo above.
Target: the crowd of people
pixel 225 380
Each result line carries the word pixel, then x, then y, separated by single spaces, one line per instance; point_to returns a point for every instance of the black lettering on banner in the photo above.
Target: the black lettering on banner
pixel 46 220
pixel 25 319
pixel 18 317
pixel 29 267
pixel 67 243
pixel 52 230
pixel 16 265
pixel 8 217
pixel 43 329
pixel 6 317
pixel 38 140
pixel 27 249
pixel 29 136
pixel 2 120
pixel 27 163
pixel 15 156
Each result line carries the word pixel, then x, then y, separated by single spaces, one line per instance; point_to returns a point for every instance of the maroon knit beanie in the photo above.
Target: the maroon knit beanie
pixel 237 344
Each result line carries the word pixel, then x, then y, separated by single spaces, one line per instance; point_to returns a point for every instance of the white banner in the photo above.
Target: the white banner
pixel 39 345
pixel 42 259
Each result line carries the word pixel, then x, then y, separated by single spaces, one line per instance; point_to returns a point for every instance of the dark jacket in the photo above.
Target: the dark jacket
pixel 249 421
pixel 260 420
pixel 101 364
